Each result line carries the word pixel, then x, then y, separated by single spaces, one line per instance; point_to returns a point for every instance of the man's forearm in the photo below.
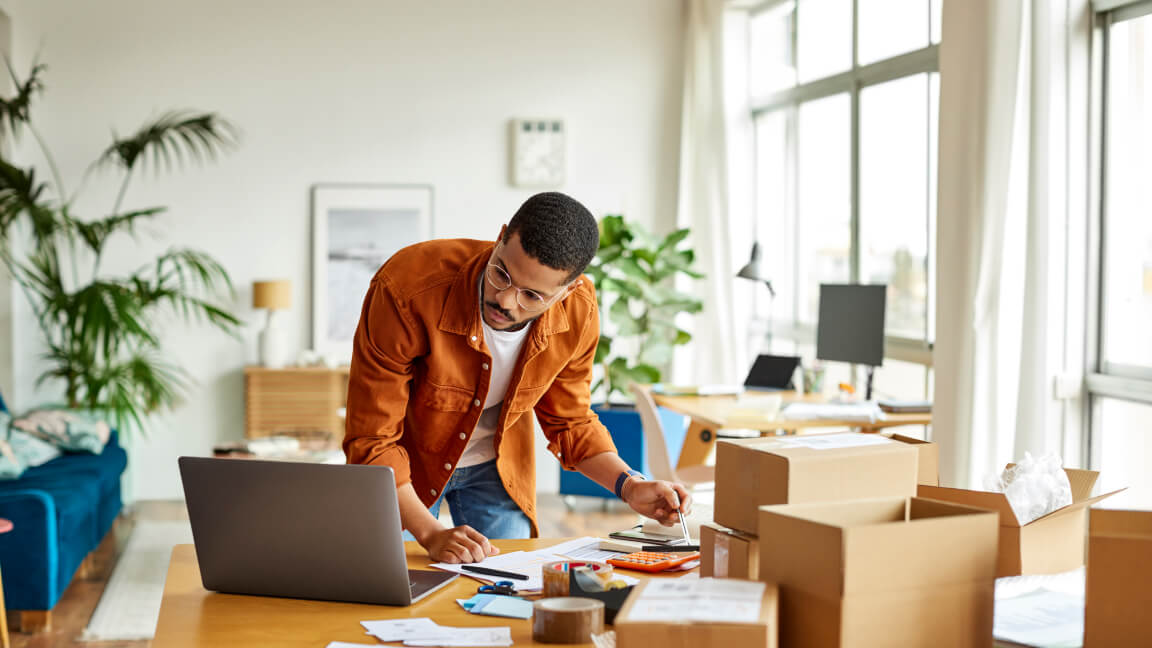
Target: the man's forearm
pixel 414 515
pixel 603 469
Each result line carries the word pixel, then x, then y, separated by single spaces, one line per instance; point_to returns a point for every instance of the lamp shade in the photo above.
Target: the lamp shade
pixel 275 294
pixel 755 270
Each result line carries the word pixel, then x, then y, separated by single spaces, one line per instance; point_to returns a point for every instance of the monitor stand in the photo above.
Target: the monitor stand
pixel 868 388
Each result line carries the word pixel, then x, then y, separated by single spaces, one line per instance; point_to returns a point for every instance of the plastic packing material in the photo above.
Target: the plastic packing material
pixel 1034 486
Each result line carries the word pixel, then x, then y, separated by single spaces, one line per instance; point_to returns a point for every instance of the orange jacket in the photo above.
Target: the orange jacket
pixel 419 375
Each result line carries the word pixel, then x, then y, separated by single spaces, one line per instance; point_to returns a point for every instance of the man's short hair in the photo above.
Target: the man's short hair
pixel 556 230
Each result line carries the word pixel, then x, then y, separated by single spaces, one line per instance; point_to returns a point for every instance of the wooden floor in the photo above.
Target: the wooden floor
pixel 581 516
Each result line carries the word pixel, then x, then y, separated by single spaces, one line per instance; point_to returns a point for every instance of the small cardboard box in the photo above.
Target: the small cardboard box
pixel 885 572
pixel 691 613
pixel 807 468
pixel 725 553
pixel 1047 545
pixel 929 470
pixel 1117 596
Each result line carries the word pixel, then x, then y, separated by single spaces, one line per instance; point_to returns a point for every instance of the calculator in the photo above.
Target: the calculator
pixel 653 561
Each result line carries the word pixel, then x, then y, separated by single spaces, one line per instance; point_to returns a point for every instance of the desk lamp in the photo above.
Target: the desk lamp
pixel 756 271
pixel 276 296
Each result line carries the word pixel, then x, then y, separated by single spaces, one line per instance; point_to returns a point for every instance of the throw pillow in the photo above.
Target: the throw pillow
pixel 20 451
pixel 68 430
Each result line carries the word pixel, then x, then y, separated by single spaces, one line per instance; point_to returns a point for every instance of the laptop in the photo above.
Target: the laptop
pixel 301 530
pixel 772 372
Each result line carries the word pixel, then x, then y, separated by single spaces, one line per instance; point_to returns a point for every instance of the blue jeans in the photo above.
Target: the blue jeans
pixel 476 497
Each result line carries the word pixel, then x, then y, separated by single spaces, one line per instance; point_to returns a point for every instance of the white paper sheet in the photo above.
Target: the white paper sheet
pixel 831 441
pixel 527 563
pixel 400 629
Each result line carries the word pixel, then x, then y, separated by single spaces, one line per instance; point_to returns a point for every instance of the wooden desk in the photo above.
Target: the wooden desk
pixel 712 413
pixel 193 616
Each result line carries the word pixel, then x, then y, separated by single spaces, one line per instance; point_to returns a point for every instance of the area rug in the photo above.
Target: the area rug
pixel 130 605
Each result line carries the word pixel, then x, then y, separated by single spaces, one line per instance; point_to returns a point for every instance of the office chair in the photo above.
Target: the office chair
pixel 701 480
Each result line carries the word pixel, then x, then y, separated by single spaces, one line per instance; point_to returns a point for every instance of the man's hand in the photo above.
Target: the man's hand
pixel 461 544
pixel 657 499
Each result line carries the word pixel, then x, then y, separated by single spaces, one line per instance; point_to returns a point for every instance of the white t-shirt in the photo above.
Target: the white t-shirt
pixel 505 349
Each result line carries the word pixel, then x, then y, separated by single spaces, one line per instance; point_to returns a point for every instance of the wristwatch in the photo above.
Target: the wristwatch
pixel 623 478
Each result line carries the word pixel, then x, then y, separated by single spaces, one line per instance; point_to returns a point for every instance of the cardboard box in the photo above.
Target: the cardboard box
pixel 796 469
pixel 890 572
pixel 725 553
pixel 1117 596
pixel 929 463
pixel 1047 545
pixel 686 613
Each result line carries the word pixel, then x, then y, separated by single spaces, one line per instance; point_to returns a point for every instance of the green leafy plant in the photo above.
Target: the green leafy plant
pixel 633 273
pixel 102 331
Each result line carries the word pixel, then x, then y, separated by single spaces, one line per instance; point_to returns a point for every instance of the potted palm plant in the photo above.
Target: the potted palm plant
pixel 100 330
pixel 633 272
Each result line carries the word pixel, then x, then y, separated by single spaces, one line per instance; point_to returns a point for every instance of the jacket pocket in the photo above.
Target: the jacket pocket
pixel 526 398
pixel 444 398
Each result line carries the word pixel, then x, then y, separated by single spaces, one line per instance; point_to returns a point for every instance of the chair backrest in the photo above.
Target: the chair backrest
pixel 655 447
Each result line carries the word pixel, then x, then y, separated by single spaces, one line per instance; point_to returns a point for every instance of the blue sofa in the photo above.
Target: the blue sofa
pixel 60 511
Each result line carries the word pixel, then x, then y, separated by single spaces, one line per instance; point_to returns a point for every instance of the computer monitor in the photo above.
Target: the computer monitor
pixel 851 325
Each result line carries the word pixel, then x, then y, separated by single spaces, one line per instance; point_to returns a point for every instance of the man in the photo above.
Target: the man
pixel 459 342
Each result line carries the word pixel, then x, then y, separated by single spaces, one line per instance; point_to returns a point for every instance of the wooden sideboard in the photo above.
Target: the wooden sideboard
pixel 295 401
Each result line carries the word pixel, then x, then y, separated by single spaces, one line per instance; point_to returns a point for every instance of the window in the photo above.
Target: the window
pixel 844 102
pixel 1120 385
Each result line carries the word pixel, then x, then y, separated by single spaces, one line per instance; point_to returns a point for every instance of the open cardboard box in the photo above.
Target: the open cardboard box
pixel 725 553
pixel 1117 596
pixel 781 470
pixel 1047 545
pixel 885 572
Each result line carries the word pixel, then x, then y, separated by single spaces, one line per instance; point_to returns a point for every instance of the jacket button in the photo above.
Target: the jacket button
pixel 447 466
pixel 473 338
pixel 463 436
pixel 433 491
pixel 484 366
pixel 476 402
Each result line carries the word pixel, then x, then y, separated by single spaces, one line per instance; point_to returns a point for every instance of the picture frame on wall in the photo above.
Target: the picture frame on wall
pixel 355 229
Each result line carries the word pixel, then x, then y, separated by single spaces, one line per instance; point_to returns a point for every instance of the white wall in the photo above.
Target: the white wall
pixel 415 91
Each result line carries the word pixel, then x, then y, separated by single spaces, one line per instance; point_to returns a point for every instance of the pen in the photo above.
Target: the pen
pixel 493 572
pixel 671 548
pixel 683 523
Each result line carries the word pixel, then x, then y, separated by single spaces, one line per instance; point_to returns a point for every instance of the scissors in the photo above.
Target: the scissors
pixel 506 588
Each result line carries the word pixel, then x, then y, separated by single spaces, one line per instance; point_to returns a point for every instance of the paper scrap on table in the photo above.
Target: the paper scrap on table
pixel 1041 618
pixel 426 632
pixel 704 599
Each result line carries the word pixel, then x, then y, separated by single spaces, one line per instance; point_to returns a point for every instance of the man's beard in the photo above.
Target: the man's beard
pixel 515 327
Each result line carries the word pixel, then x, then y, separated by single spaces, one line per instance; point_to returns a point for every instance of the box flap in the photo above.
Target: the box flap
pixel 981 499
pixel 1074 506
pixel 1082 482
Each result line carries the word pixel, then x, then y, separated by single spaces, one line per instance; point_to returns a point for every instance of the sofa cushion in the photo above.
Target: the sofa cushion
pixel 69 430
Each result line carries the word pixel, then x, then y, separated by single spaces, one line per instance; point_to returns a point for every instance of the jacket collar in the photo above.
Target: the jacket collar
pixel 462 307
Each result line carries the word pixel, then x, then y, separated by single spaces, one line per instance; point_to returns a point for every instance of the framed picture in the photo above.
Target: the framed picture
pixel 355 228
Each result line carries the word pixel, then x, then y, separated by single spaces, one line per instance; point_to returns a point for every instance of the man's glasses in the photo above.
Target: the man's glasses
pixel 529 300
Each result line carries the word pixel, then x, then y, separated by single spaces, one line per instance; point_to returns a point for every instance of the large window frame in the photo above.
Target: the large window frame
pixel 1105 379
pixel 852 82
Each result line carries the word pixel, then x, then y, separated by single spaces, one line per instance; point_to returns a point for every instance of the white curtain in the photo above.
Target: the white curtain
pixel 703 203
pixel 1002 238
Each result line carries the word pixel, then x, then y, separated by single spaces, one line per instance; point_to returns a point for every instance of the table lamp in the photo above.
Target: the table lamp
pixel 276 296
pixel 756 271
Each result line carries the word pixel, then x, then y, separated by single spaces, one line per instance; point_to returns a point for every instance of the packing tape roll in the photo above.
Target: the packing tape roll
pixel 567 619
pixel 556 575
